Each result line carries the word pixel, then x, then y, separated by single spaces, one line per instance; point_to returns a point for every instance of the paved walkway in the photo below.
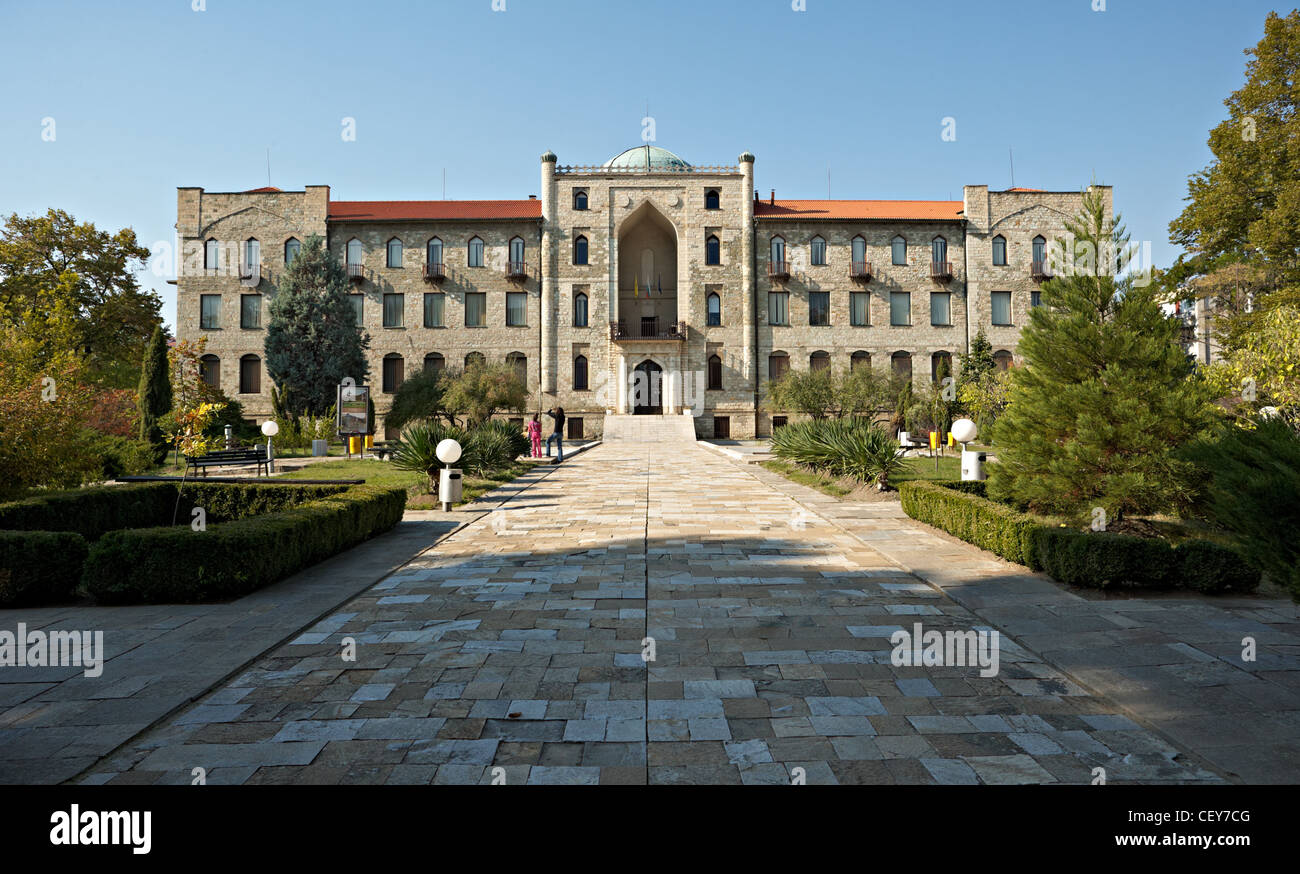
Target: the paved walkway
pixel 514 652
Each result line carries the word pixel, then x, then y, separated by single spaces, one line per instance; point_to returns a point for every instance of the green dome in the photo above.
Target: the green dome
pixel 647 158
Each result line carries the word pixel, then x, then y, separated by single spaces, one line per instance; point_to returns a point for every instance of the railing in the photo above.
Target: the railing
pixel 860 270
pixel 517 269
pixel 647 330
pixel 434 272
pixel 778 269
pixel 1040 270
pixel 941 270
pixel 590 169
pixel 250 275
pixel 356 272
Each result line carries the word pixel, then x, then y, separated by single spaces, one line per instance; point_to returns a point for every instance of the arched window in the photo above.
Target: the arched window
pixel 712 250
pixel 579 199
pixel 394 372
pixel 354 252
pixel 860 359
pixel 778 365
pixel 394 252
pixel 211 255
pixel 819 361
pixel 714 303
pixel 291 249
pixel 1040 251
pixel 580 373
pixel 818 251
pixel 999 251
pixel 517 255
pixel 250 375
pixel 898 251
pixel 940 365
pixel 1003 359
pixel 715 373
pixel 252 253
pixel 712 199
pixel 475 358
pixel 433 252
pixel 859 247
pixel 434 363
pixel 580 310
pixel 902 364
pixel 475 256
pixel 519 361
pixel 778 250
pixel 939 250
pixel 580 250
pixel 210 370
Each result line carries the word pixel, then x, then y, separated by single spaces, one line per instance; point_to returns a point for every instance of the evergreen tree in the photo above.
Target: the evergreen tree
pixel 155 393
pixel 312 340
pixel 977 362
pixel 1106 393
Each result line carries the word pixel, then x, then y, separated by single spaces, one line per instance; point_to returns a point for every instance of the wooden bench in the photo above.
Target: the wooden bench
pixel 230 458
pixel 381 452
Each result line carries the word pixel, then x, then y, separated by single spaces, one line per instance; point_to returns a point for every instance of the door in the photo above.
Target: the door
pixel 647 389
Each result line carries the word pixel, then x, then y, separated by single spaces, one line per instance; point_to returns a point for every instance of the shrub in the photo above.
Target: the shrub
pixel 1105 561
pixel 518 440
pixel 1209 567
pixel 123 456
pixel 857 448
pixel 969 516
pixel 418 449
pixel 178 565
pixel 39 567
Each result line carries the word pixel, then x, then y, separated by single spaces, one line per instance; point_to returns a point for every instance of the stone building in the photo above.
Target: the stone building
pixel 644 285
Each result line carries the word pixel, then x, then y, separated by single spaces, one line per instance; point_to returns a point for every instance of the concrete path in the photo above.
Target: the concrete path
pixel 514 652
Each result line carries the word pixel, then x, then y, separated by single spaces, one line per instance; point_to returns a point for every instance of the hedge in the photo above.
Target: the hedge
pixel 1077 558
pixel 39 567
pixel 178 565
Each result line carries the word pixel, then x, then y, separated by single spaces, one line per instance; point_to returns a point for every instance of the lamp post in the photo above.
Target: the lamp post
pixel 972 463
pixel 449 481
pixel 270 429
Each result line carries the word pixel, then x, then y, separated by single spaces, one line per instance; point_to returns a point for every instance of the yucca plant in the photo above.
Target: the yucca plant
pixel 858 448
pixel 418 449
pixel 519 444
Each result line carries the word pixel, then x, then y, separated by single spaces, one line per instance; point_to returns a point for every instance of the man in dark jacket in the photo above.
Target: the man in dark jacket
pixel 556 413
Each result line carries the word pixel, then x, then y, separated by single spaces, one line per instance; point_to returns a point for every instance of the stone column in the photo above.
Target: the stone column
pixel 620 397
pixel 750 337
pixel 547 270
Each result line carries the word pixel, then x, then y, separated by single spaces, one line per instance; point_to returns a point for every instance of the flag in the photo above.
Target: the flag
pixel 661 283
pixel 636 287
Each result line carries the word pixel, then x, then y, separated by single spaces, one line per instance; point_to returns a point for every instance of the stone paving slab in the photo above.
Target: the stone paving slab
pixel 514 653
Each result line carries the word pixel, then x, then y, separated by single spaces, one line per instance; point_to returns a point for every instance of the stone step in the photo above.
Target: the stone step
pixel 649 429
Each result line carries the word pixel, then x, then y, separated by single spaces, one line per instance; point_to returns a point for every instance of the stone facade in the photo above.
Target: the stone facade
pixel 648 223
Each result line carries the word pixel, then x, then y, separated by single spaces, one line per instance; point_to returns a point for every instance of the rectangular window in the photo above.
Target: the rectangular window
pixel 516 309
pixel 819 252
pixel 250 375
pixel 1002 308
pixel 433 309
pixel 250 311
pixel 476 252
pixel 778 308
pixel 575 427
pixel 394 373
pixel 721 427
pixel 359 308
pixel 859 308
pixel 394 304
pixel 900 308
pixel 210 312
pixel 475 309
pixel 1035 298
pixel 819 307
pixel 941 308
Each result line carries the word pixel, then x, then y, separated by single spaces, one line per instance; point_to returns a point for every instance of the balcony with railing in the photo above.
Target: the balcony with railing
pixel 433 272
pixel 779 270
pixel 517 270
pixel 250 275
pixel 1040 270
pixel 941 271
pixel 649 328
pixel 356 272
pixel 860 271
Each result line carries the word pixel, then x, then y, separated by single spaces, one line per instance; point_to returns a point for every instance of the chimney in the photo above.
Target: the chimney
pixel 532 197
pixel 773 197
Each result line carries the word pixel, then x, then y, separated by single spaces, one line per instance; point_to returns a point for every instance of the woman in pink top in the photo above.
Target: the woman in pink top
pixel 535 434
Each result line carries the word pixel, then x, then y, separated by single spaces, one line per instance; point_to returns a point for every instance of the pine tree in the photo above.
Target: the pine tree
pixel 312 341
pixel 977 362
pixel 1106 393
pixel 155 393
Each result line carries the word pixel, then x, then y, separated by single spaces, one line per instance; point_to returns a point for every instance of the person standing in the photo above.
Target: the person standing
pixel 556 413
pixel 535 434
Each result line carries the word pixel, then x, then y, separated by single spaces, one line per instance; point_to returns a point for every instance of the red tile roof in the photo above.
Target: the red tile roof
pixel 267 189
pixel 416 210
pixel 921 210
pixel 1035 190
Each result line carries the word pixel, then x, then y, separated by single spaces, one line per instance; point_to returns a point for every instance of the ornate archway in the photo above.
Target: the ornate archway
pixel 648 389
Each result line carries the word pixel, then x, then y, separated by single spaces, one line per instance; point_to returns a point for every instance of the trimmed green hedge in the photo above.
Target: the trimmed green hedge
pixel 178 565
pixel 1077 558
pixel 39 567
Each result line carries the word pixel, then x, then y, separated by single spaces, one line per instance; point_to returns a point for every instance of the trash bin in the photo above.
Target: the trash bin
pixel 320 447
pixel 354 445
pixel 972 465
pixel 449 487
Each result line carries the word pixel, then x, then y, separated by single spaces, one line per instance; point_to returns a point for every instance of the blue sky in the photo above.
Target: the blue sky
pixel 148 96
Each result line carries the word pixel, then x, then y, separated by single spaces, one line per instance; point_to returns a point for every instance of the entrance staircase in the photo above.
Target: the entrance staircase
pixel 676 429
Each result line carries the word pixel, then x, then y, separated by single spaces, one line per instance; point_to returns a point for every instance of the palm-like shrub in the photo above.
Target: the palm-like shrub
pixel 857 448
pixel 486 450
pixel 418 448
pixel 519 444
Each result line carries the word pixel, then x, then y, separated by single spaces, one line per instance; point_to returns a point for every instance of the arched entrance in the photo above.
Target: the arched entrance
pixel 647 389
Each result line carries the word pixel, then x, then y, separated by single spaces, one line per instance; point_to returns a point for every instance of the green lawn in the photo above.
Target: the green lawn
pixel 838 487
pixel 806 477
pixel 382 473
pixel 923 468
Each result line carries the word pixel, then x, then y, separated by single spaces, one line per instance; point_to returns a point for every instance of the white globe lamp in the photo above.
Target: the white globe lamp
pixel 964 431
pixel 448 451
pixel 270 429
